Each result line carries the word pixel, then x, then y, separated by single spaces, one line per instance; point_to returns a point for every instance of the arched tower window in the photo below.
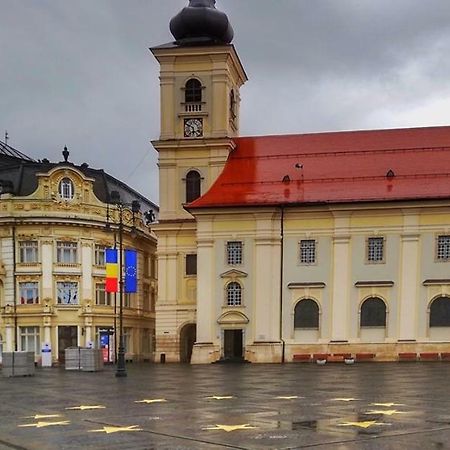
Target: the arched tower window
pixel 66 189
pixel 193 91
pixel 234 294
pixel 373 313
pixel 306 314
pixel 440 312
pixel 232 105
pixel 193 186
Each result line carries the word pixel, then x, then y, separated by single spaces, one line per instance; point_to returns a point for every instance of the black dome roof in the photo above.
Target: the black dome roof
pixel 201 22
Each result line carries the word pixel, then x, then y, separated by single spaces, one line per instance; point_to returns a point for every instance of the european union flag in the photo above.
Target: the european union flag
pixel 130 271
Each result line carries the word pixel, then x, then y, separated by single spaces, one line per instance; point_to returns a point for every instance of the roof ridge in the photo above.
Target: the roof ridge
pixel 347 152
pixel 364 130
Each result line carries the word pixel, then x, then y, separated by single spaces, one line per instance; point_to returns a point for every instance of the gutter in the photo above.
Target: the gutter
pixel 283 343
pixel 14 286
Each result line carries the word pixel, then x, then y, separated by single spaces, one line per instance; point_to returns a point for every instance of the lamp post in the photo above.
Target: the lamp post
pixel 121 370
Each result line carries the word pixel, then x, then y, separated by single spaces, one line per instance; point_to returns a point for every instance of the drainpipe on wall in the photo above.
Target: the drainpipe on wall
pixel 283 344
pixel 14 286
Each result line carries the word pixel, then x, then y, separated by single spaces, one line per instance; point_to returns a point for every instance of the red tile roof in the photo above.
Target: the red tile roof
pixel 337 167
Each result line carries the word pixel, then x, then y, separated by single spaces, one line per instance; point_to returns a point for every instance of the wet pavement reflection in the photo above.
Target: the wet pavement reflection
pixel 364 406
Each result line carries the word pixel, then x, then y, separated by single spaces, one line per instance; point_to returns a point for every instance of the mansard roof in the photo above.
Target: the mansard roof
pixel 18 174
pixel 334 167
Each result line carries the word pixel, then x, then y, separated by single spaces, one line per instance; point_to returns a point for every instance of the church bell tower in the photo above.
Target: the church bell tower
pixel 200 79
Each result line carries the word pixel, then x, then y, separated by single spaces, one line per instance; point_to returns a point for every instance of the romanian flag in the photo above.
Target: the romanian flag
pixel 112 270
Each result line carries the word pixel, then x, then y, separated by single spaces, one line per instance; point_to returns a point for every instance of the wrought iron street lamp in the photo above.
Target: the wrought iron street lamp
pixel 135 209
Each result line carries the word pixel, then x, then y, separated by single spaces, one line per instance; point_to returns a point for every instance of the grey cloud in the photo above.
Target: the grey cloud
pixel 80 73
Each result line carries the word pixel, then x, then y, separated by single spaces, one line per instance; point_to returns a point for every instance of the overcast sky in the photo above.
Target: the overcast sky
pixel 79 73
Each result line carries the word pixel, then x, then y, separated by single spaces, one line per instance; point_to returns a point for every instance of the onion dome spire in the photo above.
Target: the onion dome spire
pixel 201 23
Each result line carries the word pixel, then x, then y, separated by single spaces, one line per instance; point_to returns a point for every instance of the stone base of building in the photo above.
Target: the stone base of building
pixel 395 351
pixel 264 352
pixel 205 353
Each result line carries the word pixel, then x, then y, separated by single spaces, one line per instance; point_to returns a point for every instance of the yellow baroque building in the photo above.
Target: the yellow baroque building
pixel 284 248
pixel 55 222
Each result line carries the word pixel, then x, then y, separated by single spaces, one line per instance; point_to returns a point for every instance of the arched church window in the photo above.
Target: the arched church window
pixel 234 294
pixel 193 91
pixel 66 189
pixel 306 314
pixel 440 312
pixel 373 313
pixel 193 186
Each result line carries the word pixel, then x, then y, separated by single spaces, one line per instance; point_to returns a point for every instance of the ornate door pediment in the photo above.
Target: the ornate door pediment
pixel 233 318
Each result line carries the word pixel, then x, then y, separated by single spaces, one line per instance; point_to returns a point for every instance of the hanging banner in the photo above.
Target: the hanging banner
pixel 112 270
pixel 130 271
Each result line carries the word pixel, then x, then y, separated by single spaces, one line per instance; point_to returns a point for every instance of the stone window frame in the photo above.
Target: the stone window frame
pixel 307 263
pixel 37 290
pixel 25 333
pixel 386 312
pixel 234 282
pixel 444 255
pixel 373 239
pixel 22 251
pixel 228 259
pixel 73 249
pixel 429 310
pixel 66 188
pixel 319 313
pixel 65 284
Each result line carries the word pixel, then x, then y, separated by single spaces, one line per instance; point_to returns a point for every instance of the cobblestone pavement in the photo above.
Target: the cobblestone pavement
pixel 175 407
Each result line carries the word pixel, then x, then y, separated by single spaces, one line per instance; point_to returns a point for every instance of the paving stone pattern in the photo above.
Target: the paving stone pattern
pixel 176 407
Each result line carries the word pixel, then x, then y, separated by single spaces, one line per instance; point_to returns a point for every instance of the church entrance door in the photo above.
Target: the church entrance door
pixel 232 345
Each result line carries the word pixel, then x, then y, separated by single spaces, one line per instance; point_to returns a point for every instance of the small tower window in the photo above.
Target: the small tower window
pixel 193 184
pixel 66 189
pixel 232 105
pixel 193 91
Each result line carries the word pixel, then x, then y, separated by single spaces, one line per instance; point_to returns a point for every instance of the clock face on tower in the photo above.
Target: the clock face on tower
pixel 193 128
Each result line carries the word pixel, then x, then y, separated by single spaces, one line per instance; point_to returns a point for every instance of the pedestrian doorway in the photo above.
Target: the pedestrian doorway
pixel 67 337
pixel 187 340
pixel 232 345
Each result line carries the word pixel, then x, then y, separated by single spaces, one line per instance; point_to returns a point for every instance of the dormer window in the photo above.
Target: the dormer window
pixel 66 189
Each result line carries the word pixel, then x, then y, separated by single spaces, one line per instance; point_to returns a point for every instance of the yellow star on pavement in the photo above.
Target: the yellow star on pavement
pixel 154 400
pixel 364 424
pixel 229 428
pixel 288 397
pixel 109 430
pixel 387 405
pixel 43 416
pixel 388 412
pixel 44 424
pixel 344 399
pixel 87 407
pixel 220 397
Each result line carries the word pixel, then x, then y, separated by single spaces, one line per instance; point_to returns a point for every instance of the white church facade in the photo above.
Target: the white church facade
pixel 284 248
